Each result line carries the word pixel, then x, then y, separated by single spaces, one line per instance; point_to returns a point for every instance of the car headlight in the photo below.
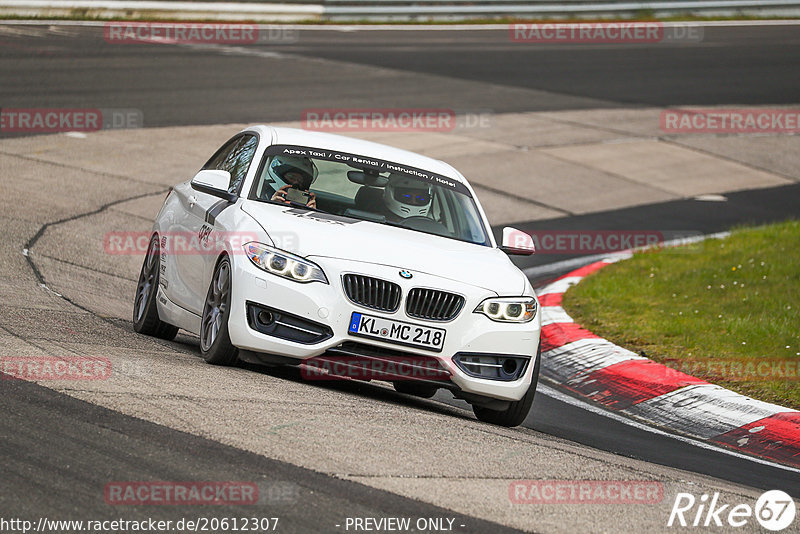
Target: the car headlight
pixel 281 263
pixel 508 309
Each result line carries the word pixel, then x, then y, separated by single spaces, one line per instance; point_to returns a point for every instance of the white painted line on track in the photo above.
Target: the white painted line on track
pixel 234 50
pixel 563 397
pixel 560 286
pixel 564 265
pixel 554 314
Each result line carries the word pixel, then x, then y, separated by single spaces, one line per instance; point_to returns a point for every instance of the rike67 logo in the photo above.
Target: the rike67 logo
pixel 774 510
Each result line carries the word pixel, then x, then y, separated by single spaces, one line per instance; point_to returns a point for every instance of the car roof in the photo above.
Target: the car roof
pixel 341 143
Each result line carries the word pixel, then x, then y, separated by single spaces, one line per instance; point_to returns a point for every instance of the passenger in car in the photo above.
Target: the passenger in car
pixel 406 197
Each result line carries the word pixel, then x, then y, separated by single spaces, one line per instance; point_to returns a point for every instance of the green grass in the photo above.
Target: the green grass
pixel 707 308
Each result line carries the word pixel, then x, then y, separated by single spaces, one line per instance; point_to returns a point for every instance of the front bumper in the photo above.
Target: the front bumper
pixel 328 306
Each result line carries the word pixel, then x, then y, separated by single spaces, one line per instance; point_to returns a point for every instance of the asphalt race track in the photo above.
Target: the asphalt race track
pixel 220 84
pixel 321 453
pixel 41 428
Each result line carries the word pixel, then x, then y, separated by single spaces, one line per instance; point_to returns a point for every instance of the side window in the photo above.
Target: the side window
pixel 217 159
pixel 235 157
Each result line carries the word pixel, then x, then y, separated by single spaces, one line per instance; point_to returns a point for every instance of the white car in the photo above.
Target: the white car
pixel 297 247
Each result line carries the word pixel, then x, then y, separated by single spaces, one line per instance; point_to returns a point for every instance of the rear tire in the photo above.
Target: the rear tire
pixel 145 309
pixel 215 343
pixel 409 387
pixel 516 413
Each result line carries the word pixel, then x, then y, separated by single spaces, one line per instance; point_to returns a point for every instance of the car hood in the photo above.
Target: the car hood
pixel 316 234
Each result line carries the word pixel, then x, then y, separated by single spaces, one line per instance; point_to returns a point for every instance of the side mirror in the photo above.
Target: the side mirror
pixel 215 183
pixel 517 242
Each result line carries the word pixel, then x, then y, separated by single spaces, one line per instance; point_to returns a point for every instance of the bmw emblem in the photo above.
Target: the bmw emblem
pixel 406 274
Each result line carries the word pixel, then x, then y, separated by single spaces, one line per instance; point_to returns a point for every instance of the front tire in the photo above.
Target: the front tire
pixel 516 413
pixel 215 343
pixel 145 309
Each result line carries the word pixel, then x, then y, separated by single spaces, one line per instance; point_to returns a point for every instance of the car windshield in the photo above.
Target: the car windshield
pixel 369 189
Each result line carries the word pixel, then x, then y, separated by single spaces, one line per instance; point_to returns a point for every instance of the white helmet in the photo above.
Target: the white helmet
pixel 407 197
pixel 303 167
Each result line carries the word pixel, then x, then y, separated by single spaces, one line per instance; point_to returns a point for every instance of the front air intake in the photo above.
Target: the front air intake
pixel 492 366
pixel 433 305
pixel 283 325
pixel 372 292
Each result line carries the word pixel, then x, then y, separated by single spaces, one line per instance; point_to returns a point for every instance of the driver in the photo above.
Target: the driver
pixel 406 197
pixel 296 172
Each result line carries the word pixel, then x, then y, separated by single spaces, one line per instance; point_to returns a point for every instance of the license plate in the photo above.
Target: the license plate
pixel 396 332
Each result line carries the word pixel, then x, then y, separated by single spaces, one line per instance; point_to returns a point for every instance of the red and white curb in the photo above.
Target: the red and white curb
pixel 624 382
